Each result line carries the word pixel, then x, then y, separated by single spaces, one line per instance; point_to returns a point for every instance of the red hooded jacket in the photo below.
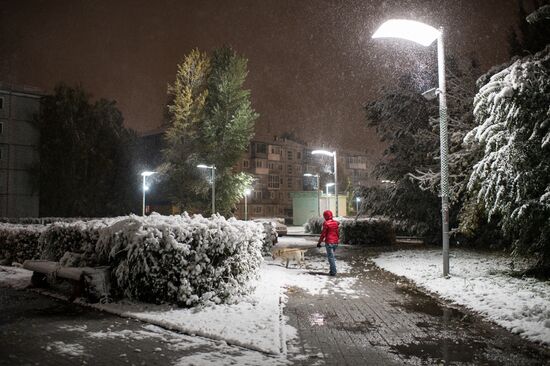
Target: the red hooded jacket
pixel 330 229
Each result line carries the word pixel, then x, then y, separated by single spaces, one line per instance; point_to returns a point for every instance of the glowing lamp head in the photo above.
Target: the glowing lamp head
pixel 147 174
pixel 407 29
pixel 247 191
pixel 322 152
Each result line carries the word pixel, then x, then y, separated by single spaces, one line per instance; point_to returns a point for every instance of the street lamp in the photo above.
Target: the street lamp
pixel 328 199
pixel 333 154
pixel 246 193
pixel 145 187
pixel 425 35
pixel 357 200
pixel 213 168
pixel 318 192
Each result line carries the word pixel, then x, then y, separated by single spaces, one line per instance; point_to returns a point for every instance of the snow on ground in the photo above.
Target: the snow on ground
pixel 479 281
pixel 69 349
pixel 255 323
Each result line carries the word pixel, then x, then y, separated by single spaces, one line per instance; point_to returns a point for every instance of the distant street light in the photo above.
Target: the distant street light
pixel 246 193
pixel 318 192
pixel 333 154
pixel 145 187
pixel 328 200
pixel 357 200
pixel 213 169
pixel 425 35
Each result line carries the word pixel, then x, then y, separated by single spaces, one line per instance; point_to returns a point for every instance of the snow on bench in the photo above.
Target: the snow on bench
pixel 92 281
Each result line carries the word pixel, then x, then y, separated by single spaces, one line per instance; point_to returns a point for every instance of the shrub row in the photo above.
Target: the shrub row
pixel 19 242
pixel 178 259
pixel 364 231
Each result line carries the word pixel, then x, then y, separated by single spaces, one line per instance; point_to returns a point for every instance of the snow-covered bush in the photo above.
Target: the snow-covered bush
pixel 512 179
pixel 314 225
pixel 19 242
pixel 182 259
pixel 76 237
pixel 369 231
pixel 270 237
pixel 178 259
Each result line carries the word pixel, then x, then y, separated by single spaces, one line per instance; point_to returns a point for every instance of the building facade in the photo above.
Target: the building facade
pixel 18 151
pixel 278 167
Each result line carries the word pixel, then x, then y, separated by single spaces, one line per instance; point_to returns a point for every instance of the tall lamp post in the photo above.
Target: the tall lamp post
pixel 213 169
pixel 425 35
pixel 318 192
pixel 145 187
pixel 328 199
pixel 246 193
pixel 333 154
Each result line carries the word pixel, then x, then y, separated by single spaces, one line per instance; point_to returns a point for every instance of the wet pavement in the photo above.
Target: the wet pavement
pixel 385 321
pixel 393 323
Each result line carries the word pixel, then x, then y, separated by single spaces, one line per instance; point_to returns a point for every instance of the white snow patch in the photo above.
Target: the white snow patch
pixel 479 281
pixel 69 349
pixel 14 277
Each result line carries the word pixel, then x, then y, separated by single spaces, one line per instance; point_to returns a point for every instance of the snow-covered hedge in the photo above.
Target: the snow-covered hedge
pixel 178 259
pixel 19 242
pixel 270 237
pixel 76 237
pixel 369 231
pixel 314 225
pixel 182 259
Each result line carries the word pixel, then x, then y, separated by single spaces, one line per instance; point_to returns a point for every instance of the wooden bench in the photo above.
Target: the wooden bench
pixel 94 282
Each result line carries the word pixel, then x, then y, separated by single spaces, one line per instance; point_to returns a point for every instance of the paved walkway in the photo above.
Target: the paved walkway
pixel 395 324
pixel 391 323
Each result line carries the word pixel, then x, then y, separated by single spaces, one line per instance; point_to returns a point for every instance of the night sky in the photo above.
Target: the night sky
pixel 312 63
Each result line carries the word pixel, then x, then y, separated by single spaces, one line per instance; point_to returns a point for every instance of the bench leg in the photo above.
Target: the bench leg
pixel 39 279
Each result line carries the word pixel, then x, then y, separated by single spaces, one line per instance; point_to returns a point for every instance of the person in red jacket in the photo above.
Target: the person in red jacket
pixel 331 238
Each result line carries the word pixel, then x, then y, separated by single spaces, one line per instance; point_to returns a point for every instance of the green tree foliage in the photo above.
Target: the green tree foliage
pixel 211 121
pixel 409 125
pixel 512 178
pixel 86 156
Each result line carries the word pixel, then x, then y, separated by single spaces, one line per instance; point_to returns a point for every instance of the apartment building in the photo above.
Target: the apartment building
pixel 278 167
pixel 18 150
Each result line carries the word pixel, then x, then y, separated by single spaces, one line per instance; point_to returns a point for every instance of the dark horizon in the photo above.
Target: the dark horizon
pixel 312 65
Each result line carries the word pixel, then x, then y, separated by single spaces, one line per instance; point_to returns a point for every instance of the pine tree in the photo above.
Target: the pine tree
pixel 211 122
pixel 512 179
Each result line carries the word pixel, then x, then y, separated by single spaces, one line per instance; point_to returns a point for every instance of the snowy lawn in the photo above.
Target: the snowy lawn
pixel 480 282
pixel 256 322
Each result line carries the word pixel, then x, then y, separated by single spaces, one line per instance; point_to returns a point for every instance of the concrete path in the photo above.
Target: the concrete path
pixel 398 325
